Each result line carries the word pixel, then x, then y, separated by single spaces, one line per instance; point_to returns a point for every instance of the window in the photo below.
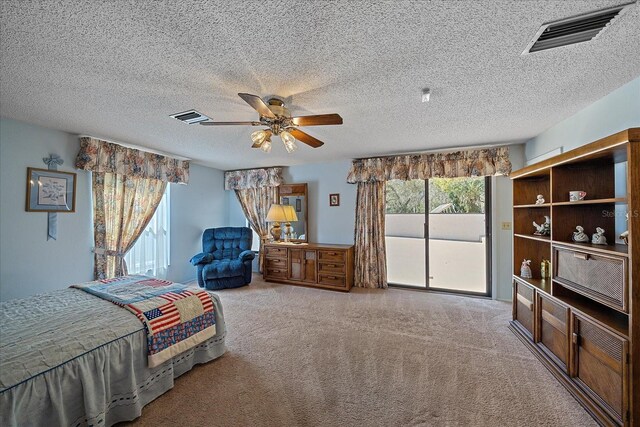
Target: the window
pixel 255 242
pixel 150 253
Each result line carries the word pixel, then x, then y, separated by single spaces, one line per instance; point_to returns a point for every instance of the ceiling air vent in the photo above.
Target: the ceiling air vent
pixel 190 117
pixel 573 30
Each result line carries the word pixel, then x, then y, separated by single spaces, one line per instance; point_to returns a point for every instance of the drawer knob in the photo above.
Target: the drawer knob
pixel 581 255
pixel 575 338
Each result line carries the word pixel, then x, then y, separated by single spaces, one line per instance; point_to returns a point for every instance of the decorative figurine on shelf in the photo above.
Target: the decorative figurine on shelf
pixel 625 236
pixel 543 229
pixel 580 236
pixel 525 270
pixel 539 200
pixel 598 237
pixel 545 269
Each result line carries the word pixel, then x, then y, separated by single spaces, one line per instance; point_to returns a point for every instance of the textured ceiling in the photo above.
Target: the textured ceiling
pixel 117 69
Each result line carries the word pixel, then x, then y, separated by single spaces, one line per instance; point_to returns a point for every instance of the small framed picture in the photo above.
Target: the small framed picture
pixel 285 201
pixel 50 191
pixel 298 205
pixel 334 199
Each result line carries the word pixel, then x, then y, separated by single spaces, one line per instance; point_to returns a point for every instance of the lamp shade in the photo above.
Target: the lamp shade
pixel 281 213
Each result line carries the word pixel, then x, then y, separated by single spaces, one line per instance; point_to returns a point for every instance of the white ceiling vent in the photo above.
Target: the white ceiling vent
pixel 574 30
pixel 190 117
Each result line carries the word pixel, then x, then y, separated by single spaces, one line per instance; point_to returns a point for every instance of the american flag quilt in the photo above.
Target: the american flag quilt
pixel 175 316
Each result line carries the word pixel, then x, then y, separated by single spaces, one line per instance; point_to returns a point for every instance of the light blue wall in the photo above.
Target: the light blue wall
pixel 29 264
pixel 194 207
pixel 615 112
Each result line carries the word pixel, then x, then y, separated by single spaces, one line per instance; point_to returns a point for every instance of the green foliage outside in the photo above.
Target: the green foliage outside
pixel 458 195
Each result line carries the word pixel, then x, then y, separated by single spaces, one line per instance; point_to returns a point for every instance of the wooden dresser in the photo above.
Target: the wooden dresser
pixel 313 264
pixel 583 322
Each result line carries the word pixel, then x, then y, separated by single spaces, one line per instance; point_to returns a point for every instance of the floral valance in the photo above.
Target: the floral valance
pixel 252 178
pixel 102 156
pixel 482 162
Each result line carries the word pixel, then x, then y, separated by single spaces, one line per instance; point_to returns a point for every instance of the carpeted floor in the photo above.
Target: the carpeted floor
pixel 307 357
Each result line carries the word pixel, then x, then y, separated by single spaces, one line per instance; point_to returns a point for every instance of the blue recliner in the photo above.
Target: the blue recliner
pixel 226 258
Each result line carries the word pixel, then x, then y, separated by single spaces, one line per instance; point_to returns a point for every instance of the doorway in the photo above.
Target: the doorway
pixel 438 234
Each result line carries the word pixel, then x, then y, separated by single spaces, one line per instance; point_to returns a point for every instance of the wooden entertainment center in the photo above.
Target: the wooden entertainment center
pixel 583 322
pixel 312 264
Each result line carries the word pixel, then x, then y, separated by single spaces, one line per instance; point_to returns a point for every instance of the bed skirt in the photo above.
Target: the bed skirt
pixel 100 388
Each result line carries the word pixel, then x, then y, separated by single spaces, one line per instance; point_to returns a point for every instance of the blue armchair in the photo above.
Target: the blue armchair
pixel 226 258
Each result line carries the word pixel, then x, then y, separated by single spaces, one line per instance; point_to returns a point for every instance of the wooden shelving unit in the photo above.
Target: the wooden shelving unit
pixel 583 322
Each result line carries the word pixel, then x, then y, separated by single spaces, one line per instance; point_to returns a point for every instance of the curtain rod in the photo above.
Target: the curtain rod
pixel 137 147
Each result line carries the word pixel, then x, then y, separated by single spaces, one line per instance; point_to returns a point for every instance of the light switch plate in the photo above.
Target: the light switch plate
pixel 506 225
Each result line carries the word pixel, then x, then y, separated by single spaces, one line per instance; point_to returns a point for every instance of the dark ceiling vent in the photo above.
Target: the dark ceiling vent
pixel 573 30
pixel 190 117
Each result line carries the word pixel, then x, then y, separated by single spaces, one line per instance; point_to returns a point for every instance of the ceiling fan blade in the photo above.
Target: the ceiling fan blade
pixel 317 120
pixel 258 104
pixel 230 123
pixel 306 138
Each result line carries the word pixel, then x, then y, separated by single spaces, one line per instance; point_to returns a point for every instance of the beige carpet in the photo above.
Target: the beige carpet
pixel 307 357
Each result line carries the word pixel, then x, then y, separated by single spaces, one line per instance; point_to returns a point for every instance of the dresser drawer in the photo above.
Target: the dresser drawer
pixel 331 256
pixel 277 263
pixel 276 273
pixel 332 280
pixel 273 252
pixel 600 277
pixel 332 268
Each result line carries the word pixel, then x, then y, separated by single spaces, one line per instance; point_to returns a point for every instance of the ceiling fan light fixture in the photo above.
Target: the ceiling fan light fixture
pixel 260 136
pixel 289 141
pixel 266 145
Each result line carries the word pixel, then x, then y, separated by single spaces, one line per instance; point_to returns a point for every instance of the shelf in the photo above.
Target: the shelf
pixel 541 284
pixel 616 249
pixel 616 321
pixel 618 200
pixel 546 239
pixel 544 205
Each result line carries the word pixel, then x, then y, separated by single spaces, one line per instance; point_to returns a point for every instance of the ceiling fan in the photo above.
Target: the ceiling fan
pixel 278 120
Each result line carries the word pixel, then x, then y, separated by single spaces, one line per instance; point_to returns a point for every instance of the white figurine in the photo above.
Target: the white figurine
pixel 580 236
pixel 625 236
pixel 598 237
pixel 544 229
pixel 525 270
pixel 539 200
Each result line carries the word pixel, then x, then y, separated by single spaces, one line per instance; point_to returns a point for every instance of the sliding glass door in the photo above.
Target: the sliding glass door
pixel 438 234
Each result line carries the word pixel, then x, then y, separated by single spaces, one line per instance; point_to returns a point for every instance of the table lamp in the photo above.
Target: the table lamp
pixel 281 213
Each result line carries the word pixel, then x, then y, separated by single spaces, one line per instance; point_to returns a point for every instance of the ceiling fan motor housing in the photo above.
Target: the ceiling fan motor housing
pixel 277 107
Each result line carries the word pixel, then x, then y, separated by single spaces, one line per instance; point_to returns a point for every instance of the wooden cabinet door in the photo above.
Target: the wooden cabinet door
pixel 553 329
pixel 302 265
pixel 523 297
pixel 600 365
pixel 310 266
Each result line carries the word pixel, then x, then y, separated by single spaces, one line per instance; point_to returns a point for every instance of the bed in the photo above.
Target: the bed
pixel 60 364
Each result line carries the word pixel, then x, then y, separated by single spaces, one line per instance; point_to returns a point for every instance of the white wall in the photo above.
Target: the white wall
pixel 30 264
pixel 615 112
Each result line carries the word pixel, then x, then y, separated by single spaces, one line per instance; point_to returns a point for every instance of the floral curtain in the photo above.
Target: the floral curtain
pixel 255 204
pixel 370 251
pixel 482 162
pixel 122 208
pixel 252 178
pixel 102 156
pixel 371 176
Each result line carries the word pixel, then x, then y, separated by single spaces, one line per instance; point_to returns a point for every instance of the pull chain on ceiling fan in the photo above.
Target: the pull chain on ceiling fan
pixel 275 116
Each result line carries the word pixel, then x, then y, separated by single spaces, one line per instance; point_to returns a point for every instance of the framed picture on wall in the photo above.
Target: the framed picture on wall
pixel 285 201
pixel 50 191
pixel 334 199
pixel 298 205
